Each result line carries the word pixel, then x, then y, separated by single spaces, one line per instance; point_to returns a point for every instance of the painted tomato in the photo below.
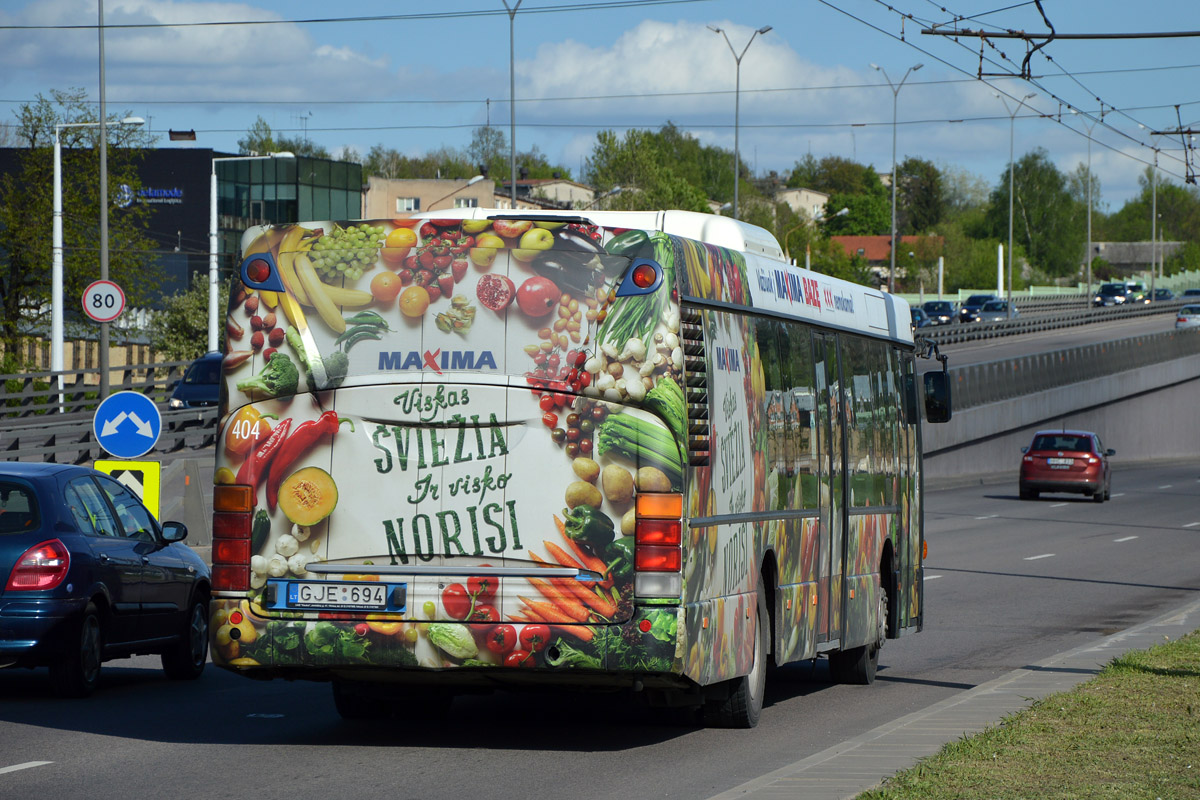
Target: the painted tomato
pixel 495 291
pixel 537 296
pixel 483 589
pixel 484 613
pixel 534 637
pixel 456 601
pixel 502 639
pixel 519 658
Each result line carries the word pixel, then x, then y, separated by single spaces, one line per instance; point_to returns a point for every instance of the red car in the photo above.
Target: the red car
pixel 1066 461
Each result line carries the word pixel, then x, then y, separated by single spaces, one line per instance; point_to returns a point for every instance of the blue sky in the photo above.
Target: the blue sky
pixel 806 86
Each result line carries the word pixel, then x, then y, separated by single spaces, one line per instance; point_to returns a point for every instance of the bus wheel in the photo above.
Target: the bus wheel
pixel 858 665
pixel 354 702
pixel 738 703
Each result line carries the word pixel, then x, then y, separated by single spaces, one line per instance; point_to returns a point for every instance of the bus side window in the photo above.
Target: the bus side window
pixel 796 349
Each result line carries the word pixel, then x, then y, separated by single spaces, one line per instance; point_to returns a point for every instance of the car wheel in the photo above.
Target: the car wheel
pixel 1098 496
pixel 77 674
pixel 185 659
pixel 741 705
pixel 1028 494
pixel 858 665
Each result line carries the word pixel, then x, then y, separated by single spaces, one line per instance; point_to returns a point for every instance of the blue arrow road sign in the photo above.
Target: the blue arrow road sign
pixel 127 424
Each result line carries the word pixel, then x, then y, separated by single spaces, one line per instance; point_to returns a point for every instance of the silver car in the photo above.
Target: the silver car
pixel 997 311
pixel 1188 317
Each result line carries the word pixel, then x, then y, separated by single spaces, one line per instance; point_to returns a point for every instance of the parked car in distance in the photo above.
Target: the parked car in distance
pixel 997 311
pixel 1188 317
pixel 940 312
pixel 1110 294
pixel 1163 294
pixel 969 310
pixel 1066 461
pixel 201 384
pixel 919 318
pixel 87 574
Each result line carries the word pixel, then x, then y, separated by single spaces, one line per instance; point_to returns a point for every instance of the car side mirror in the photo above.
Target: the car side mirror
pixel 1024 449
pixel 937 397
pixel 174 532
pixel 1110 452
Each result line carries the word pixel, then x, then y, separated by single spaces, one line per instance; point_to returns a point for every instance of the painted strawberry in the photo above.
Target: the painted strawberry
pixel 458 269
pixel 445 284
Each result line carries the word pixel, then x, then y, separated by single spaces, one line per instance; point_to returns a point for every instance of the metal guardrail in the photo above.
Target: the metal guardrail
pixel 959 332
pixel 994 381
pixel 35 394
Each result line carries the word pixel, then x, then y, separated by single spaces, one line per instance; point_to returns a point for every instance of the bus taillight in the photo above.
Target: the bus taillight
pixel 233 508
pixel 658 546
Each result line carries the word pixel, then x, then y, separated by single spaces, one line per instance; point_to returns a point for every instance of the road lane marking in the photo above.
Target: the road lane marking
pixel 989 516
pixel 1043 555
pixel 1165 486
pixel 1057 505
pixel 1191 524
pixel 932 577
pixel 1125 539
pixel 1117 494
pixel 26 765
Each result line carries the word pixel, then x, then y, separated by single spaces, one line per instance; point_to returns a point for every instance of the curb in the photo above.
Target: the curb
pixel 864 762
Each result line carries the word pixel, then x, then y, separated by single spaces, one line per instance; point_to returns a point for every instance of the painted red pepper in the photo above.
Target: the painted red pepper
pixel 307 434
pixel 255 467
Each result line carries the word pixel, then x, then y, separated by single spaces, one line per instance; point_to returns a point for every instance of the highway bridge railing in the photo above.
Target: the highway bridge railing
pixel 996 381
pixel 1028 322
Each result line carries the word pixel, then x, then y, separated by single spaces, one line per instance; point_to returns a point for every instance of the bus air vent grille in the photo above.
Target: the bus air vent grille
pixel 695 371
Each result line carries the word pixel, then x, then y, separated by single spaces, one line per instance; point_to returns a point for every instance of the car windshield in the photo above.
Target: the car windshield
pixel 207 371
pixel 1062 441
pixel 1111 288
pixel 18 509
pixel 994 305
pixel 1190 310
pixel 1191 292
pixel 978 299
pixel 938 307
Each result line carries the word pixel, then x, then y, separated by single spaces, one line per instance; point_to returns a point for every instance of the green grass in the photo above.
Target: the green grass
pixel 1133 731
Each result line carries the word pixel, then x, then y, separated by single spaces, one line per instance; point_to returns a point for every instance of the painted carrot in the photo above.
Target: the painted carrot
pixel 581 592
pixel 580 632
pixel 561 598
pixel 589 561
pixel 547 611
pixel 561 555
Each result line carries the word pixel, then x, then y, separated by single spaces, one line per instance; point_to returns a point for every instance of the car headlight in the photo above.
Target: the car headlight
pixel 175 403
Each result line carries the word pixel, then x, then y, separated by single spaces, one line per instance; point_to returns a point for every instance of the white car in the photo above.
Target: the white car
pixel 996 311
pixel 1188 317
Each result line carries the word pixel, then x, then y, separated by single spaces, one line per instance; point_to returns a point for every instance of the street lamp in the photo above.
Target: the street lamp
pixel 213 294
pixel 613 191
pixel 737 97
pixel 471 182
pixel 1012 117
pixel 56 270
pixel 895 101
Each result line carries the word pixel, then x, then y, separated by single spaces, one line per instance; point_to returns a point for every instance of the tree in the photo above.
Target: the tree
pixel 638 165
pixel 1046 220
pixel 835 175
pixel 962 191
pixel 919 199
pixel 866 214
pixel 26 214
pixel 175 329
pixel 488 150
pixel 261 140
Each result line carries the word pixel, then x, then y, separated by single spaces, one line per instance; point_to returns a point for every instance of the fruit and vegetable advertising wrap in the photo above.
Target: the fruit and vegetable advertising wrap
pixel 450 395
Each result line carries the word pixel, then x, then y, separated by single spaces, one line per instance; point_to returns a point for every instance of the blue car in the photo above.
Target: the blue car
pixel 88 575
pixel 201 384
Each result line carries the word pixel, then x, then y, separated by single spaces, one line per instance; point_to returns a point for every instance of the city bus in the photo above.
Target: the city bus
pixel 628 451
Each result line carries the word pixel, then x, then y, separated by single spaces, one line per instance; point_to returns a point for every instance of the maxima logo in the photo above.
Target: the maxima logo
pixel 728 359
pixel 437 360
pixel 790 287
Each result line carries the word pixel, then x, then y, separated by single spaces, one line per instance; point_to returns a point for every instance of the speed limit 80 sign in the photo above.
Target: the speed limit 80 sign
pixel 103 301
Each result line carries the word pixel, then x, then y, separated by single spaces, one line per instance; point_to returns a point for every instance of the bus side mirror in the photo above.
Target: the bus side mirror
pixel 937 397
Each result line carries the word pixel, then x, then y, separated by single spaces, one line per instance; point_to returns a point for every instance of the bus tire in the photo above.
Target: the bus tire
pixel 857 666
pixel 741 705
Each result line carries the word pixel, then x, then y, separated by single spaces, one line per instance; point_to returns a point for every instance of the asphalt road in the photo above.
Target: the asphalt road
pixel 1008 582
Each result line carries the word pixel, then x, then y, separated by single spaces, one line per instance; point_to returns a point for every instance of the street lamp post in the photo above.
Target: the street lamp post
pixel 1012 117
pixel 512 100
pixel 56 268
pixel 1088 252
pixel 737 98
pixel 213 280
pixel 895 102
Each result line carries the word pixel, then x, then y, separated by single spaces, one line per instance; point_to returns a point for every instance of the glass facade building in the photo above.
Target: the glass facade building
pixel 281 190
